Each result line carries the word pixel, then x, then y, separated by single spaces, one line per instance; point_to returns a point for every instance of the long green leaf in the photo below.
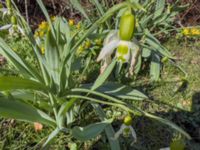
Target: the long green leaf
pixel 135 111
pixel 66 107
pixel 155 68
pixel 14 83
pixel 102 78
pixel 21 111
pixel 169 123
pixel 90 131
pixel 160 6
pixel 156 46
pixel 119 90
pixel 52 56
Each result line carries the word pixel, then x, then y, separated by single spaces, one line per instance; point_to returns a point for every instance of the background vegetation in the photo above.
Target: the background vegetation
pixel 174 100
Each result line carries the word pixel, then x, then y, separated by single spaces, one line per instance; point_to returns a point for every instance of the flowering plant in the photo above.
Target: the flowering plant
pixel 48 94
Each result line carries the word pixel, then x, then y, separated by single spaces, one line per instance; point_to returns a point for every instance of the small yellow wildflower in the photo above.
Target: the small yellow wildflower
pixel 41 33
pixel 43 26
pixel 195 31
pixel 98 41
pixel 191 31
pixel 53 18
pixel 87 44
pixel 42 50
pixel 71 22
pixel 80 49
pixel 78 26
pixel 186 31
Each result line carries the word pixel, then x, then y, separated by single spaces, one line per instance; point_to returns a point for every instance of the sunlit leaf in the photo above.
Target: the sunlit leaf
pixel 14 83
pixel 90 131
pixel 102 78
pixel 21 111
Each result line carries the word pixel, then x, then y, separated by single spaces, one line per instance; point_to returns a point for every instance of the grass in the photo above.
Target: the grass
pixel 179 102
pixel 181 105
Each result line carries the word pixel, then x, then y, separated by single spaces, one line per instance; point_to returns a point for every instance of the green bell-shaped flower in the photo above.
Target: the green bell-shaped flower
pixel 127 26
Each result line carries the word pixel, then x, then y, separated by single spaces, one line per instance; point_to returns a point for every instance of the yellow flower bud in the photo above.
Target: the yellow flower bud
pixel 36 34
pixel 87 44
pixel 53 18
pixel 43 25
pixel 128 120
pixel 195 31
pixel 71 22
pixel 98 41
pixel 185 31
pixel 127 26
pixel 42 50
pixel 41 33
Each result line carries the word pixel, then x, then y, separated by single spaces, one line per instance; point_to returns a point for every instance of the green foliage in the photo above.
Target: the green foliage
pixel 89 132
pixel 52 79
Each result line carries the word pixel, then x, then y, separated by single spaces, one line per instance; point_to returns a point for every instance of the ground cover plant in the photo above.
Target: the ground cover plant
pixel 58 86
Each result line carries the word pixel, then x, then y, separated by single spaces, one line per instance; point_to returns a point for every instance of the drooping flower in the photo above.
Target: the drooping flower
pixel 127 49
pixel 126 129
